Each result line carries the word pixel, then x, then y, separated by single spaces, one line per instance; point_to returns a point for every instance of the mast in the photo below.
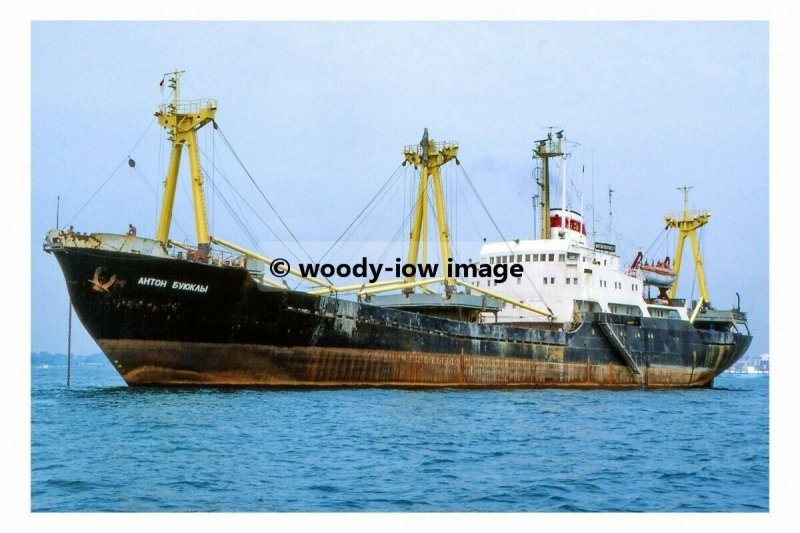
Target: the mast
pixel 429 156
pixel 545 149
pixel 687 226
pixel 610 210
pixel 564 193
pixel 182 119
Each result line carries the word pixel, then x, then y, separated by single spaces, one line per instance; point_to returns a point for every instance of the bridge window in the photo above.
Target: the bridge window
pixel 491 260
pixel 551 257
pixel 567 281
pixel 545 281
pixel 527 257
pixel 561 258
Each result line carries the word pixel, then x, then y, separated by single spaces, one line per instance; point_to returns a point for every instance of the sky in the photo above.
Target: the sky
pixel 319 112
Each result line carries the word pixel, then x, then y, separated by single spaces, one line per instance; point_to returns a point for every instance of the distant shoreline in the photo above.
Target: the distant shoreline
pixel 60 359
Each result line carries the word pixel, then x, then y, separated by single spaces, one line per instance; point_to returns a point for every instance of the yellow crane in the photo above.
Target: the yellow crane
pixel 182 119
pixel 687 224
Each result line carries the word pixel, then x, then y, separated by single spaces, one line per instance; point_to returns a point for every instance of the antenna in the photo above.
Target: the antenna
pixel 610 210
pixel 594 214
pixel 685 190
pixel 583 181
pixel 563 187
pixel 58 205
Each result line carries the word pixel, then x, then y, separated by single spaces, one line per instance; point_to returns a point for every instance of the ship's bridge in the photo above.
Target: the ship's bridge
pixel 567 224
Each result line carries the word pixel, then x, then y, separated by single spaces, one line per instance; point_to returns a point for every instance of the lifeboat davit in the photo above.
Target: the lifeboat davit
pixel 658 274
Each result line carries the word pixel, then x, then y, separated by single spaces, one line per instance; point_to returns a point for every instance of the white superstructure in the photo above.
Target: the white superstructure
pixel 568 276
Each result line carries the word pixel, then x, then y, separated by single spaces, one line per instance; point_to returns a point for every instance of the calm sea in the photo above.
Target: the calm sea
pixel 101 446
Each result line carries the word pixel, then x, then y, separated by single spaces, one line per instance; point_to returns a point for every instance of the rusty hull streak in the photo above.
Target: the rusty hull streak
pixel 165 363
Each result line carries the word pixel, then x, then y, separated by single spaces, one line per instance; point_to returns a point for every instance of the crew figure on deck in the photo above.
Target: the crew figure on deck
pixel 131 230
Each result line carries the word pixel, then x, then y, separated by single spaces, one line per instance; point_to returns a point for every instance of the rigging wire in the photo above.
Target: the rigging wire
pixel 407 216
pixel 657 243
pixel 234 213
pixel 228 144
pixel 395 237
pixel 160 170
pixel 388 187
pixel 374 226
pixel 403 218
pixel 243 226
pixel 366 207
pixel 469 182
pixel 468 209
pixel 124 160
pixel 153 191
pixel 217 192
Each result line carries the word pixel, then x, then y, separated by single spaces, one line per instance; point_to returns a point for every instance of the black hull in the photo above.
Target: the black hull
pixel 163 321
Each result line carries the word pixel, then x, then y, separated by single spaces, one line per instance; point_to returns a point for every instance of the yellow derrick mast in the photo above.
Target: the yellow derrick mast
pixel 182 119
pixel 429 156
pixel 687 226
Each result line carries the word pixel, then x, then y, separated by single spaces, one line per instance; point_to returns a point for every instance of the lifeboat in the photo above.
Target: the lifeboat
pixel 659 274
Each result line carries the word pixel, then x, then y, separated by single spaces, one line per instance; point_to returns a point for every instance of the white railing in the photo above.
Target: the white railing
pixel 417 149
pixel 694 213
pixel 188 107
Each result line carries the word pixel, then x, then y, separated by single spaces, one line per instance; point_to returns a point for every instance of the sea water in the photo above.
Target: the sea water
pixel 102 446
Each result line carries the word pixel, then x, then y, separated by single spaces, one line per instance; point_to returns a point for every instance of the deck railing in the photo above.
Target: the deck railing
pixel 188 107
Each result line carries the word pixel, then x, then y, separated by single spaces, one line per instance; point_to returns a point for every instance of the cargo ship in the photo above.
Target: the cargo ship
pixel 217 314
